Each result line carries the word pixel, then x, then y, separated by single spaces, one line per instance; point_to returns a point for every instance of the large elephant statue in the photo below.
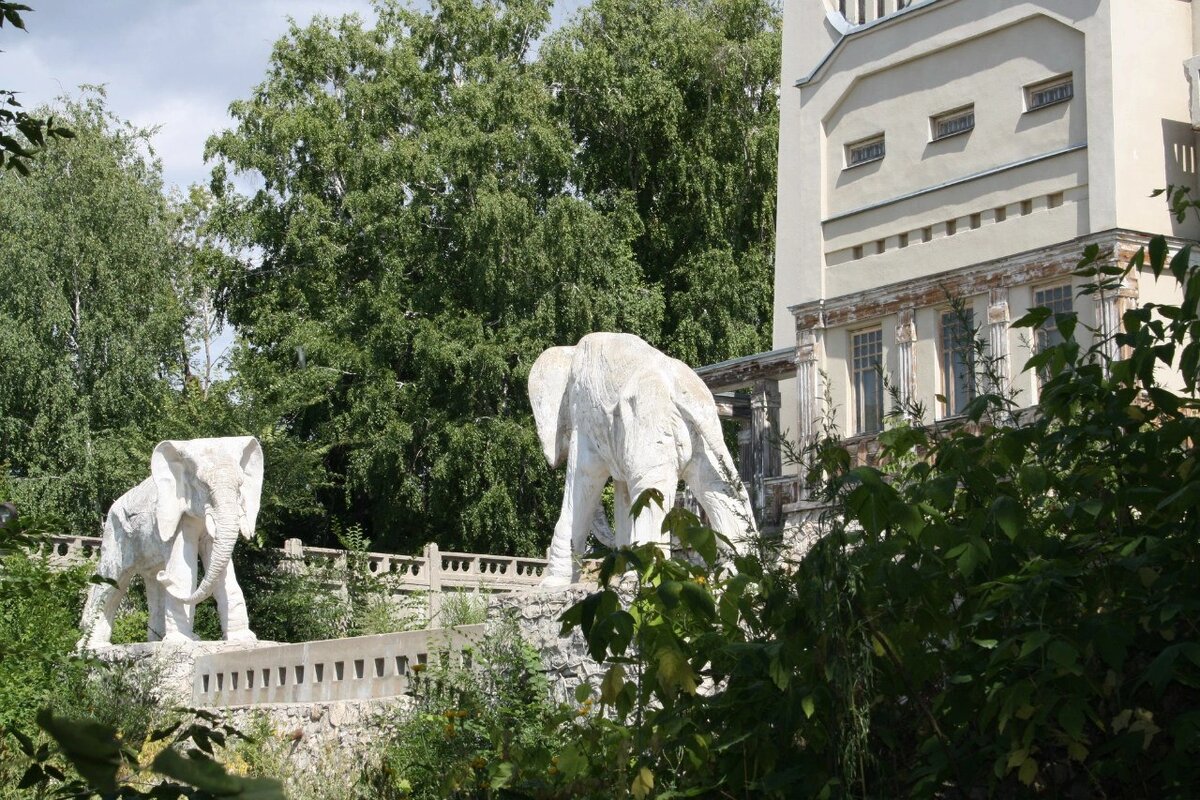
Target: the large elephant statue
pixel 614 407
pixel 200 495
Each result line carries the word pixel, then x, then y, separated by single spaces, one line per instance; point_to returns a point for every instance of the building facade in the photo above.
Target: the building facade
pixel 942 166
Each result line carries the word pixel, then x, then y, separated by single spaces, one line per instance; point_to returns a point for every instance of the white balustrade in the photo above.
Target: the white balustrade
pixel 404 574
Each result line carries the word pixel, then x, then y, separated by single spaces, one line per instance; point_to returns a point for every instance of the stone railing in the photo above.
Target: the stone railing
pixel 431 571
pixel 66 551
pixel 355 668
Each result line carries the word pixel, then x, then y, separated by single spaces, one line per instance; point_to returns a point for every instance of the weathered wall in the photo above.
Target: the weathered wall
pixel 329 736
pixel 565 660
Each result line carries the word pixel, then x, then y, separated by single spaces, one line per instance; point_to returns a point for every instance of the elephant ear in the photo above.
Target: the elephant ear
pixel 252 481
pixel 548 380
pixel 167 468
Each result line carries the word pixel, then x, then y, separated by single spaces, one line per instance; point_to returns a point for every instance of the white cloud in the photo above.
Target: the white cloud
pixel 177 64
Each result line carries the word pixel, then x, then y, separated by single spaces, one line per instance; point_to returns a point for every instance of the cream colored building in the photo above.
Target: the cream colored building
pixel 956 148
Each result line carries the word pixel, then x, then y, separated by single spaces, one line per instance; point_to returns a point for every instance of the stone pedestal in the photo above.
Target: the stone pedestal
pixel 173 664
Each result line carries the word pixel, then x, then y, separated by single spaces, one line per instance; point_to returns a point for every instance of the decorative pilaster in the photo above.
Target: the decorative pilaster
pixel 808 353
pixel 764 438
pixel 809 344
pixel 906 334
pixel 1111 308
pixel 998 322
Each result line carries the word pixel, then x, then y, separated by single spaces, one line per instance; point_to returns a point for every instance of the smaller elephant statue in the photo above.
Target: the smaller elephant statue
pixel 200 495
pixel 614 407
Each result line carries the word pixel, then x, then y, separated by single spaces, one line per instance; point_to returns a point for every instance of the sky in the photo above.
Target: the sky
pixel 176 64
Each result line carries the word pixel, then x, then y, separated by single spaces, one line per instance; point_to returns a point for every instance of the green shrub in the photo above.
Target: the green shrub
pixel 460 608
pixel 39 626
pixel 467 722
pixel 1001 610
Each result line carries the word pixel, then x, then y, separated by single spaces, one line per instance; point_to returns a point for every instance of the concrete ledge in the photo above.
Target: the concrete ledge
pixel 354 668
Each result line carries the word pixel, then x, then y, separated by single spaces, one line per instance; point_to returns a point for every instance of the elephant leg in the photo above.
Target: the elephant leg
pixel 231 603
pixel 154 604
pixel 103 599
pixel 100 610
pixel 650 435
pixel 646 527
pixel 621 505
pixel 181 572
pixel 714 482
pixel 586 476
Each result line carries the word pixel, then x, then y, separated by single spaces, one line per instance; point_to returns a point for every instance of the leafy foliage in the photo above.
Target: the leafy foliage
pixel 1003 611
pixel 90 760
pixel 39 625
pixel 33 130
pixel 471 726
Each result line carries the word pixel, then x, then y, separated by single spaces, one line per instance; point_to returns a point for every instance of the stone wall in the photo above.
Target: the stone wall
pixel 333 738
pixel 565 660
pixel 300 736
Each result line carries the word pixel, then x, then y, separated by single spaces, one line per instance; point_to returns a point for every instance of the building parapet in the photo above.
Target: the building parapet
pixel 355 668
pixel 737 373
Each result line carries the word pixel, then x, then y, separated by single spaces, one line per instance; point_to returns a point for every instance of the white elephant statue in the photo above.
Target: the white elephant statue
pixel 614 407
pixel 200 495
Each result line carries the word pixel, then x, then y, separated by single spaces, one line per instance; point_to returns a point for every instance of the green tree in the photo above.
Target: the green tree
pixel 416 243
pixel 673 106
pixel 90 326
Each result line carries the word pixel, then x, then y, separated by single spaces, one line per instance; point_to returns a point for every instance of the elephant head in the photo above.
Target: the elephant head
pixel 218 481
pixel 548 379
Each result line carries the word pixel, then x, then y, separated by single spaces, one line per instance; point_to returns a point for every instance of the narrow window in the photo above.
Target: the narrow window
pixel 958 360
pixel 976 221
pixel 1054 200
pixel 904 240
pixel 879 246
pixel 864 151
pixel 857 252
pixel 1001 213
pixel 1048 93
pixel 927 234
pixel 951 227
pixel 1026 208
pixel 867 379
pixel 952 123
pixel 1060 301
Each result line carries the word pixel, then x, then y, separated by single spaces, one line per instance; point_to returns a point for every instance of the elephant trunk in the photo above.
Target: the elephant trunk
pixel 224 536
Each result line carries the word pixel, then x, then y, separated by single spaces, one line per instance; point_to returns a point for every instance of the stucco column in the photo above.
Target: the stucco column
pixel 998 322
pixel 807 385
pixel 764 438
pixel 906 334
pixel 809 343
pixel 1111 307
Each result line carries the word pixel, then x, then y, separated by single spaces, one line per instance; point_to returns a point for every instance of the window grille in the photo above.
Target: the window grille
pixel 958 360
pixel 867 378
pixel 864 151
pixel 1047 93
pixel 952 123
pixel 1060 301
